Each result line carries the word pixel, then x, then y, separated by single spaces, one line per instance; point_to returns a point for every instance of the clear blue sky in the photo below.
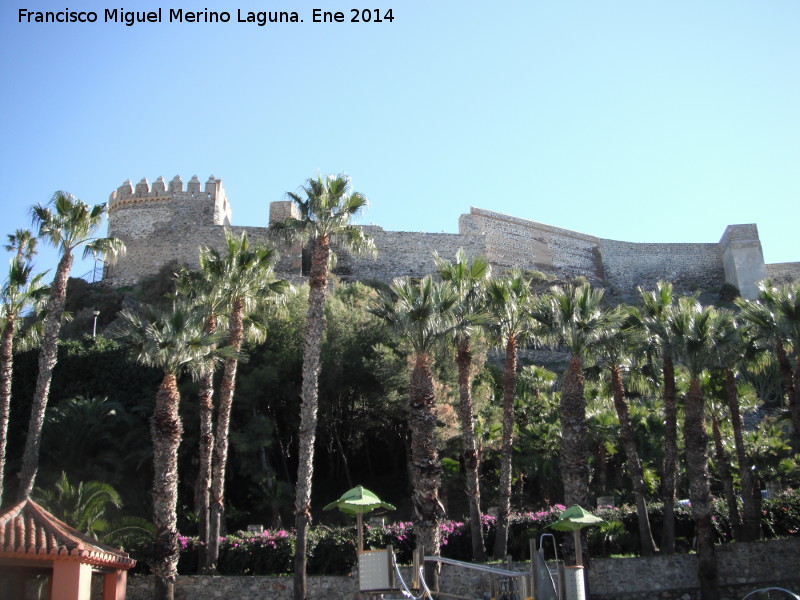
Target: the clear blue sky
pixel 638 121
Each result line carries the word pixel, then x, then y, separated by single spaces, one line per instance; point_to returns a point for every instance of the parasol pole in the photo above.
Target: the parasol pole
pixel 578 548
pixel 360 534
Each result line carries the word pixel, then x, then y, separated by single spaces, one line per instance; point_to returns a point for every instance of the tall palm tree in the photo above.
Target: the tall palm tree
pixel 421 313
pixel 174 341
pixel 717 414
pixel 735 353
pixel 697 329
pixel 508 300
pixel 20 291
pixel 614 342
pixel 469 280
pixel 247 283
pixel 324 218
pixel 203 287
pixel 67 223
pixel 654 318
pixel 571 317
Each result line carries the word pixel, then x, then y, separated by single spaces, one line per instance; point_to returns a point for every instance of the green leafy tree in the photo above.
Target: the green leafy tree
pixel 469 281
pixel 66 223
pixel 422 314
pixel 508 300
pixel 323 219
pixel 173 341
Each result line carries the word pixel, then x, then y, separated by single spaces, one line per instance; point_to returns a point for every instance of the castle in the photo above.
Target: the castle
pixel 164 222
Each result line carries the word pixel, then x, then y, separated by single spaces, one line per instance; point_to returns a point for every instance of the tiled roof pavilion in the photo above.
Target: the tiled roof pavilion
pixel 32 541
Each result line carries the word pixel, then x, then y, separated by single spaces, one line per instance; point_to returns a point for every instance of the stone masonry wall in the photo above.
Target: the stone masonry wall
pixel 784 272
pixel 511 241
pixel 627 265
pixel 166 222
pixel 742 568
pixel 404 253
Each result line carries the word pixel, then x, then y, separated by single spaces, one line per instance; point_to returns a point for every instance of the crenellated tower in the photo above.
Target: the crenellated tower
pixel 163 222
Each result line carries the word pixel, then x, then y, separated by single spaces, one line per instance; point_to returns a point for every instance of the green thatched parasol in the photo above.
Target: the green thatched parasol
pixel 574 519
pixel 358 501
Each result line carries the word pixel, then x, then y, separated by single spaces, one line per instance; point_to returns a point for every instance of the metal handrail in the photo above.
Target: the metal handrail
pixel 473 566
pixel 521 575
pixel 773 589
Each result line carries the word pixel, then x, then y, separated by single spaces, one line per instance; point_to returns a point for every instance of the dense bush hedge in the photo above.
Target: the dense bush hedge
pixel 332 550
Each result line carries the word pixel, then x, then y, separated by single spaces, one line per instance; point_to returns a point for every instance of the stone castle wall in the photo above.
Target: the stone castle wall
pixel 164 222
pixel 784 272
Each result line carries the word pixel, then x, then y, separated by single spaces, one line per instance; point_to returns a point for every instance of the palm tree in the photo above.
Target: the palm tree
pixel 571 317
pixel 324 219
pixel 736 352
pixel 88 507
pixel 67 223
pixel 23 242
pixel 203 287
pixel 653 319
pixel 247 283
pixel 717 413
pixel 697 329
pixel 614 343
pixel 469 280
pixel 776 318
pixel 422 314
pixel 20 291
pixel 508 300
pixel 174 341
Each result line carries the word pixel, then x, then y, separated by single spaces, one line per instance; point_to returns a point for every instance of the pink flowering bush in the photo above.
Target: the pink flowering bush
pixel 332 550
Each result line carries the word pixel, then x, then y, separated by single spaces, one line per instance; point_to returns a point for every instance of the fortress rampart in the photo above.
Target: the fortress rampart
pixel 164 222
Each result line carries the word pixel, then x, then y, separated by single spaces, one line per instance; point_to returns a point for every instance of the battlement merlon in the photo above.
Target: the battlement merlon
pixel 161 191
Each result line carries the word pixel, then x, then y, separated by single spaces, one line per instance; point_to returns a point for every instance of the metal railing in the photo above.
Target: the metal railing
pixel 506 584
pixel 773 593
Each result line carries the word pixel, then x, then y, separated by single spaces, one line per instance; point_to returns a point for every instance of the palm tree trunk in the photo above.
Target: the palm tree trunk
pixel 47 361
pixel 574 466
pixel 574 463
pixel 471 453
pixel 509 392
pixel 751 495
pixel 695 440
pixel 315 327
pixel 648 545
pixel 206 451
pixel 6 368
pixel 226 391
pixel 670 474
pixel 724 469
pixel 166 430
pixel 785 366
pixel 426 469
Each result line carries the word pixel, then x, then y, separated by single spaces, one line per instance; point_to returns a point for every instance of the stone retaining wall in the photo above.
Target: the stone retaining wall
pixel 742 568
